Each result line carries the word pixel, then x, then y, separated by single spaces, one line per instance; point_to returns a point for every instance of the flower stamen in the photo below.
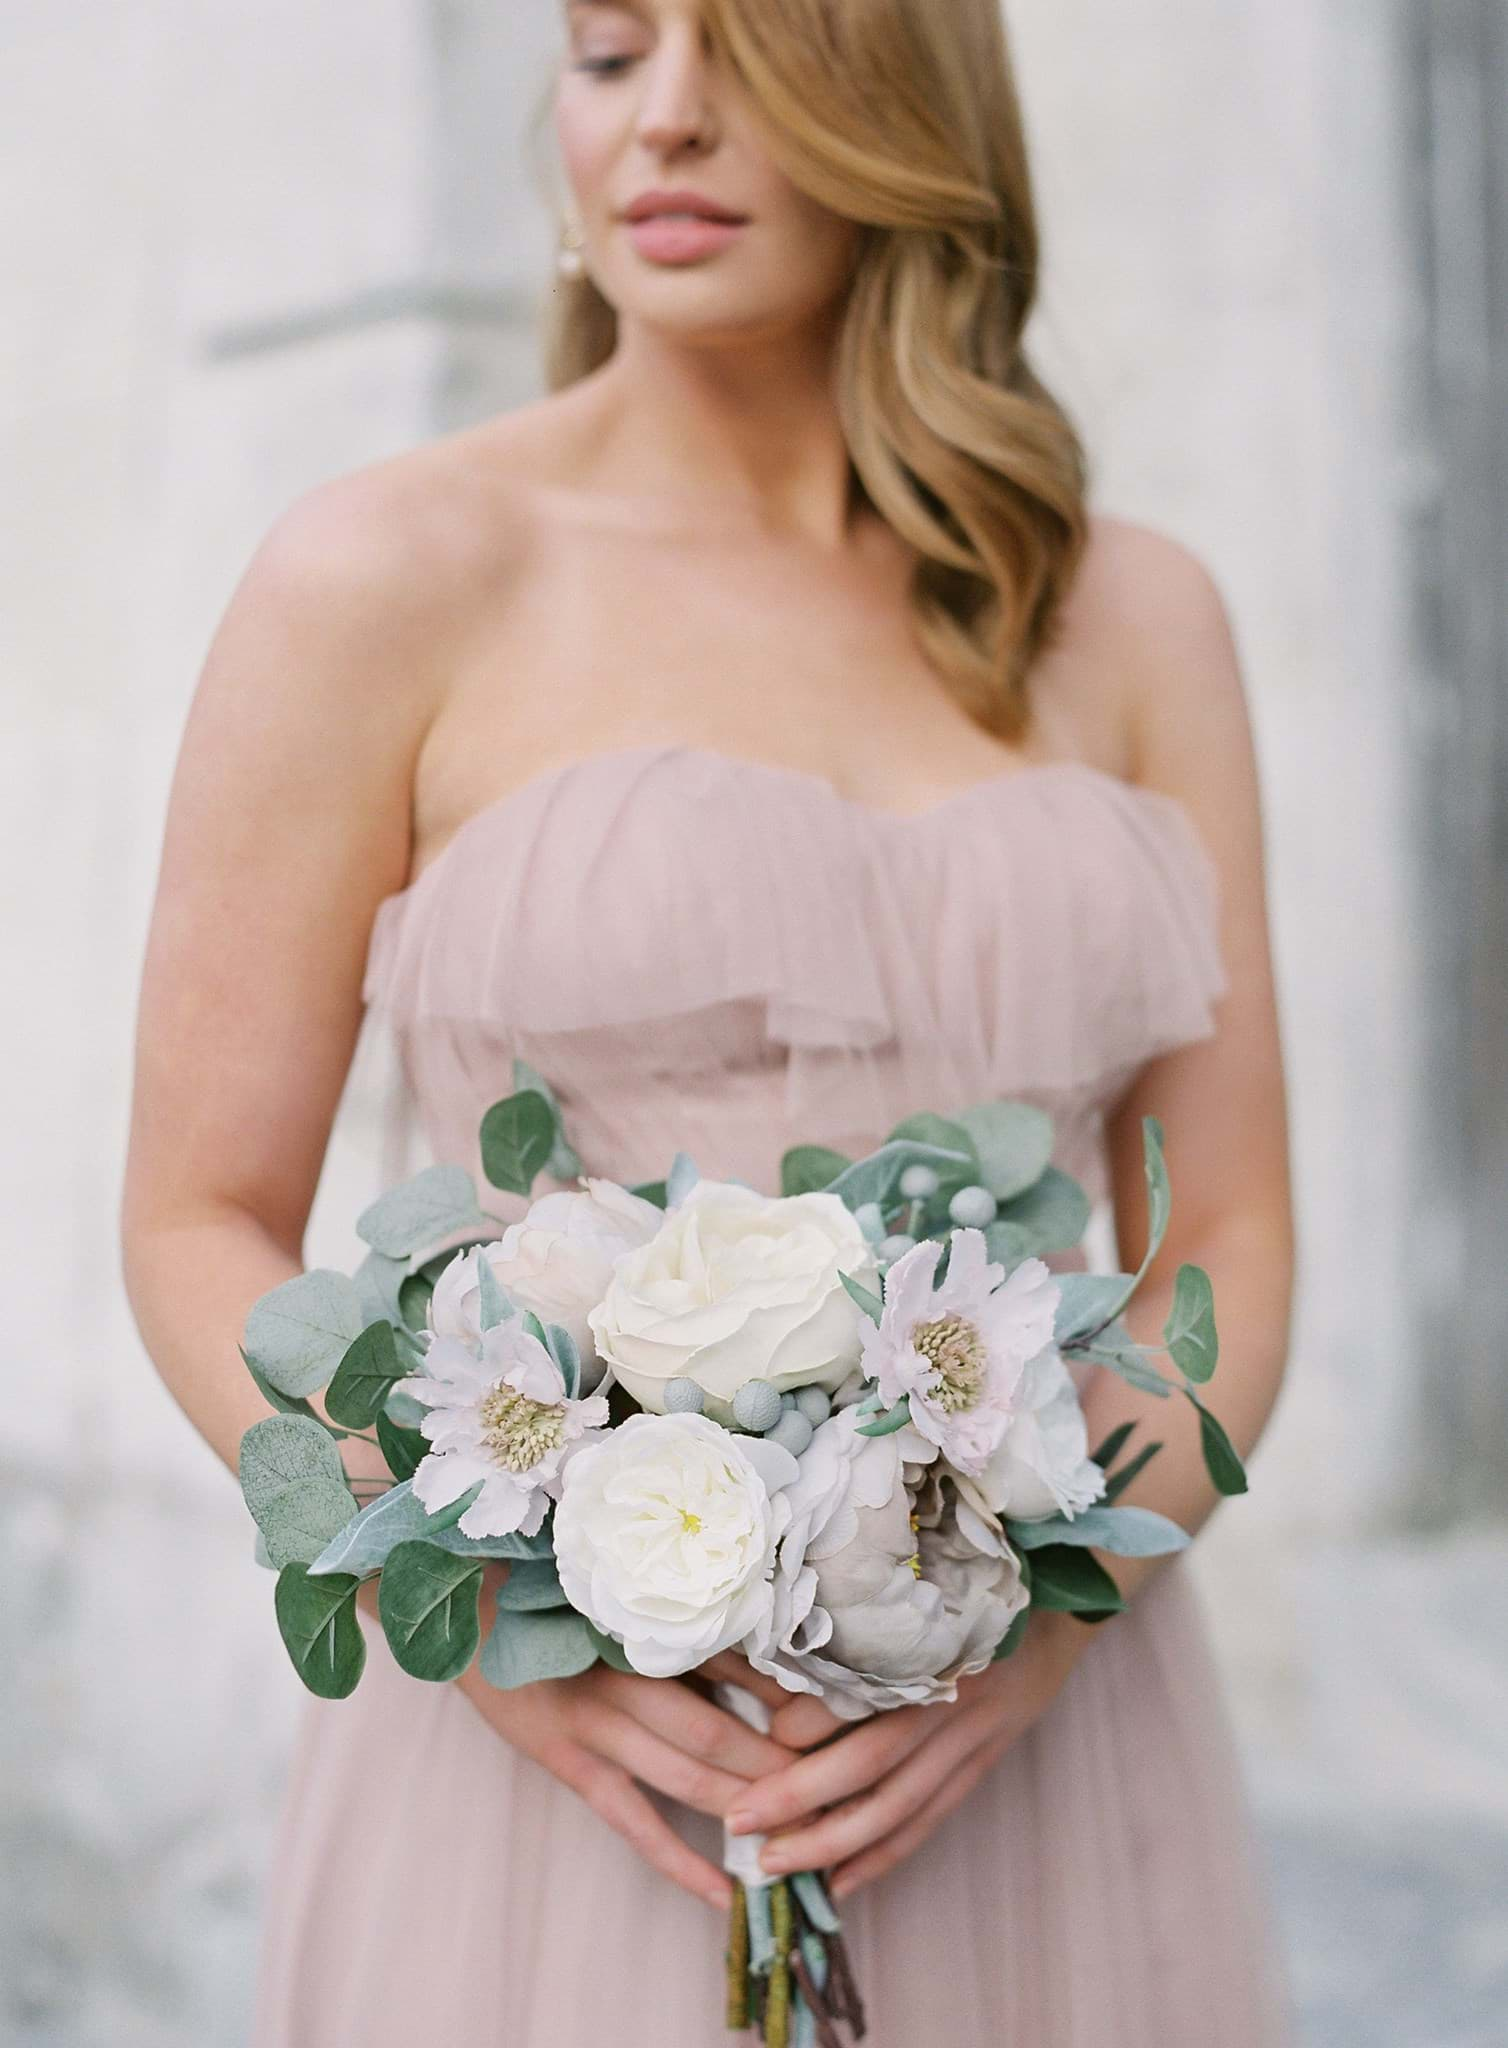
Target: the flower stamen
pixel 520 1432
pixel 954 1349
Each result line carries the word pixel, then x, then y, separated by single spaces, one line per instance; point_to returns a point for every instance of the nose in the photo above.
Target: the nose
pixel 677 110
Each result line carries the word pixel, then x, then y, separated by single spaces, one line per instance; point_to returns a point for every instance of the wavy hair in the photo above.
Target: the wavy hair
pixel 903 116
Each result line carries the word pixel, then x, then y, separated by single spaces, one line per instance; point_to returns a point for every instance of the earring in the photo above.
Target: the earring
pixel 569 260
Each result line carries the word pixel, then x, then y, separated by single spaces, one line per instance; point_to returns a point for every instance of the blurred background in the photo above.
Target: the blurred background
pixel 245 249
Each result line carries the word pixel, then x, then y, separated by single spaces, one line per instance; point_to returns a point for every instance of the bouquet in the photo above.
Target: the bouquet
pixel 835 1429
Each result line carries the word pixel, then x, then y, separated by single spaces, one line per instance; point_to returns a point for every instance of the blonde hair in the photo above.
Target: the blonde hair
pixel 902 115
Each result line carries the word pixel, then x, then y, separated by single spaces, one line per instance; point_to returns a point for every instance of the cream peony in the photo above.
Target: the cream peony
pixel 1043 1466
pixel 893 1580
pixel 557 1260
pixel 665 1537
pixel 736 1286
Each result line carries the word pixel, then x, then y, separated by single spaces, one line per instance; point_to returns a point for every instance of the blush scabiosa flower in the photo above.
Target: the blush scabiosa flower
pixel 500 1417
pixel 958 1350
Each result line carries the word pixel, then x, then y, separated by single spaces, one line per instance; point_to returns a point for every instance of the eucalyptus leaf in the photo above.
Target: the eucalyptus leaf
pixel 295 1486
pixel 1124 1532
pixel 427 1602
pixel 1066 1580
pixel 610 1650
pixel 379 1282
pixel 318 1624
pixel 1088 1303
pixel 876 1177
pixel 1189 1333
pixel 650 1191
pixel 1013 1142
pixel 1011 1641
pixel 808 1169
pixel 517 1138
pixel 532 1585
pixel 261 1555
pixel 1226 1471
pixel 285 1403
pixel 365 1377
pixel 432 1205
pixel 1113 1445
pixel 871 1303
pixel 524 1648
pixel 1054 1212
pixel 1117 1482
pixel 414 1295
pixel 928 1129
pixel 297 1334
pixel 404 1449
pixel 1130 1364
pixel 564 1161
pixel 1010 1243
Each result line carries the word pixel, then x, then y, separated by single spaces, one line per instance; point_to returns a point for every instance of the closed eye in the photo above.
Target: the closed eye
pixel 603 67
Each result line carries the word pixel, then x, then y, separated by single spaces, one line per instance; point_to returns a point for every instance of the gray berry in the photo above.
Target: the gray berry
pixel 871 1220
pixel 918 1182
pixel 683 1397
pixel 757 1406
pixel 792 1432
pixel 895 1246
pixel 973 1208
pixel 815 1405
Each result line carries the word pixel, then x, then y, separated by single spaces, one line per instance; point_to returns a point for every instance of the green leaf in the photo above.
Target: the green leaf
pixel 1070 1581
pixel 1131 1364
pixel 808 1169
pixel 494 1304
pixel 1054 1213
pixel 564 1161
pixel 1113 1445
pixel 523 1648
pixel 1159 1192
pixel 887 1424
pixel 284 1403
pixel 379 1282
pixel 1117 1482
pixel 433 1205
pixel 317 1619
pixel 531 1585
pixel 876 1177
pixel 364 1545
pixel 404 1409
pixel 566 1354
pixel 298 1333
pixel 295 1486
pixel 1226 1471
pixel 1013 1143
pixel 1008 1242
pixel 414 1294
pixel 518 1136
pixel 1088 1303
pixel 871 1303
pixel 427 1601
pixel 1189 1333
pixel 655 1191
pixel 1124 1532
pixel 404 1449
pixel 365 1377
pixel 927 1129
pixel 610 1650
pixel 1011 1641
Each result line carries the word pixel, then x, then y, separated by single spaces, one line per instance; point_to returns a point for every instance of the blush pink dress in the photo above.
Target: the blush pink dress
pixel 728 957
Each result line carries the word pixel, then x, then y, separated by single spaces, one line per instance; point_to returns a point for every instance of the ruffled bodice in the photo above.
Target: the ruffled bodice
pixel 725 956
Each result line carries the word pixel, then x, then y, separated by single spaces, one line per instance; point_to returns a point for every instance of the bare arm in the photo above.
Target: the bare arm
pixel 289 820
pixel 1221 1103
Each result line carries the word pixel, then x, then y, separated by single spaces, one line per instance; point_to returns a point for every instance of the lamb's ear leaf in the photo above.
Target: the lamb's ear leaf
pixel 1124 1532
pixel 871 1303
pixel 523 1648
pixel 317 1621
pixel 889 1422
pixel 427 1600
pixel 494 1304
pixel 297 1333
pixel 364 1545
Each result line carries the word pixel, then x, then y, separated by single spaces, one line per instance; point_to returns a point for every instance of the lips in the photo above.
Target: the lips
pixel 681 205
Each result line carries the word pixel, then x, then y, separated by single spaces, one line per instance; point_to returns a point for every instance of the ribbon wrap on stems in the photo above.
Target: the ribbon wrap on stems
pixel 788 1971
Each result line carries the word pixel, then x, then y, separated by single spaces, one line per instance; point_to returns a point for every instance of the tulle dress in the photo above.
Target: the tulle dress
pixel 728 956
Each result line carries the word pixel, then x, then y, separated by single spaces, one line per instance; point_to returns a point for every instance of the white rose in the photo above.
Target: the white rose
pixel 736 1286
pixel 665 1537
pixel 1043 1466
pixel 556 1260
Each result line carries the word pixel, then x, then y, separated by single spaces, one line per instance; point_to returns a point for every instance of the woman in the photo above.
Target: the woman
pixel 757 736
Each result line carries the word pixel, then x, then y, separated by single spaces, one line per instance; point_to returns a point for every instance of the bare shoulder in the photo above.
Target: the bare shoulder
pixel 1147 628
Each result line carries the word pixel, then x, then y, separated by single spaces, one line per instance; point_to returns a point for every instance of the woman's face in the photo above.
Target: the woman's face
pixel 652 128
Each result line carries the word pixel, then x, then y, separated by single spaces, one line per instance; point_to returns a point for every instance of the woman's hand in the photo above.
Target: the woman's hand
pixel 604 1730
pixel 889 1781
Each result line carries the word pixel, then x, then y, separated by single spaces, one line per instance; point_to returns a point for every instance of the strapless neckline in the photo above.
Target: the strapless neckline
pixel 874 816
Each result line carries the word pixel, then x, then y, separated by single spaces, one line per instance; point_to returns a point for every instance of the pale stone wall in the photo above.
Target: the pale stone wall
pixel 258 247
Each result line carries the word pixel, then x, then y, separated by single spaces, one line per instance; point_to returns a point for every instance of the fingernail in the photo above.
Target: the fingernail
pixel 739 1823
pixel 774 1861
